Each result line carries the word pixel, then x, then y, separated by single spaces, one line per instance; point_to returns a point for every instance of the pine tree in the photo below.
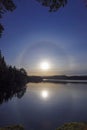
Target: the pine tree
pixel 2 61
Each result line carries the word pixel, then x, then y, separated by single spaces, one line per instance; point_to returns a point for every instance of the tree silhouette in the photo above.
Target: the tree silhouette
pixel 9 5
pixel 5 6
pixel 22 70
pixel 11 76
pixel 1 29
pixel 53 5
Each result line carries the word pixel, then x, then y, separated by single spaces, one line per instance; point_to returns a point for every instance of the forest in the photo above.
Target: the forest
pixel 11 76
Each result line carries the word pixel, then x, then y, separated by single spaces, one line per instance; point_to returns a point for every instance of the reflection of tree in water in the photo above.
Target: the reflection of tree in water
pixel 6 93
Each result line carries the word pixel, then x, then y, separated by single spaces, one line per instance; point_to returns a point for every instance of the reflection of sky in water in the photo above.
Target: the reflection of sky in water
pixel 64 103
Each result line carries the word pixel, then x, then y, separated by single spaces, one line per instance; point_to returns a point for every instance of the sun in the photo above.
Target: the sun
pixel 44 94
pixel 44 65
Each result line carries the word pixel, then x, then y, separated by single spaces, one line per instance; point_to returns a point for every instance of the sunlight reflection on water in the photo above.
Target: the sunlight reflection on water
pixel 46 106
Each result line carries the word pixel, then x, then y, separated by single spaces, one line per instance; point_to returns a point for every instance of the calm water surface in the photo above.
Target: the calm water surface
pixel 46 106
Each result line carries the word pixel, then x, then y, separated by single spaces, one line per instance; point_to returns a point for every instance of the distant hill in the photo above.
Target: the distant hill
pixel 58 79
pixel 64 77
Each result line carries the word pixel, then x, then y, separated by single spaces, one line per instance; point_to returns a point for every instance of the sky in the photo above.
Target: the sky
pixel 33 35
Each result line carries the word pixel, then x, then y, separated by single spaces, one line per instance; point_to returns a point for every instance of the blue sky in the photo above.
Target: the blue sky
pixel 33 35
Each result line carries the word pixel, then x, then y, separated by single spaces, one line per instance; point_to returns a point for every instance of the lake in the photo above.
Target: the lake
pixel 44 106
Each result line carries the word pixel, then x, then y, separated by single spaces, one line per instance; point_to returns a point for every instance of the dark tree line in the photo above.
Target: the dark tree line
pixel 11 76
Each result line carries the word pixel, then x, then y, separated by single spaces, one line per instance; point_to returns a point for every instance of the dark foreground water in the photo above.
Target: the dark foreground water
pixel 45 106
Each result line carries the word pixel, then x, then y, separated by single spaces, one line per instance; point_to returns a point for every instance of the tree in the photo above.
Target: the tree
pixel 53 5
pixel 5 6
pixel 22 70
pixel 1 29
pixel 9 5
pixel 2 62
pixel 11 76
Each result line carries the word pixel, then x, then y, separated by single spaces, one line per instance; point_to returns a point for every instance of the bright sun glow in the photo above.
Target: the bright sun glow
pixel 44 94
pixel 44 66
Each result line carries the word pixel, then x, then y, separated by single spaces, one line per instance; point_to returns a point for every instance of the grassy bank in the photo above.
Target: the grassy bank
pixel 73 126
pixel 66 126
pixel 15 127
